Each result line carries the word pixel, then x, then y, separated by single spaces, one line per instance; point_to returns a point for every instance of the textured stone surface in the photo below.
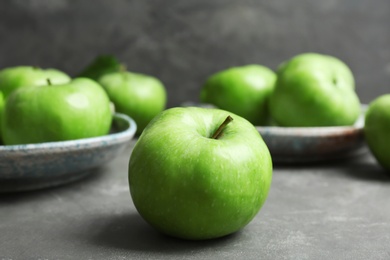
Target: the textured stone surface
pixel 182 42
pixel 338 210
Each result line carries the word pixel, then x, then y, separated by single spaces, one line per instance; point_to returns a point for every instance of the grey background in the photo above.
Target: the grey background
pixel 182 42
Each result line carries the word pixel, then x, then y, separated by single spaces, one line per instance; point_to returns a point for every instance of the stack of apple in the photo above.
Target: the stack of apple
pixel 309 90
pixel 46 105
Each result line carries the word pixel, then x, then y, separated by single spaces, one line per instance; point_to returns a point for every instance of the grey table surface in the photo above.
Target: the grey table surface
pixel 333 210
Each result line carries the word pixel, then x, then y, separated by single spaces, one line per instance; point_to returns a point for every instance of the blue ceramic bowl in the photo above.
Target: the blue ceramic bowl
pixel 34 166
pixel 312 144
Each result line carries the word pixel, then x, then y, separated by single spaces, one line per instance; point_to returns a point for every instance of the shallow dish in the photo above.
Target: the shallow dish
pixel 35 166
pixel 306 144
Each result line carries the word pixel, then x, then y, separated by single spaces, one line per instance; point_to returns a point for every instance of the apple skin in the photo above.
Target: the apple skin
pixel 242 90
pixel 15 77
pixel 188 185
pixel 139 96
pixel 314 90
pixel 2 103
pixel 37 114
pixel 21 76
pixel 377 129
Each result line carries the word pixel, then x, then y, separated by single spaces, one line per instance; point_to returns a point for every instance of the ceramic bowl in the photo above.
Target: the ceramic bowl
pixel 311 144
pixel 34 166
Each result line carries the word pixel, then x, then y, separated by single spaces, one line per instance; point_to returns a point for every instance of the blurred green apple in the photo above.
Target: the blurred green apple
pixel 2 102
pixel 314 90
pixel 56 112
pixel 139 96
pixel 199 173
pixel 377 129
pixel 22 76
pixel 242 90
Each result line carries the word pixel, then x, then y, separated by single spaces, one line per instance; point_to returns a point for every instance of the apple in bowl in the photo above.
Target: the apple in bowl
pixel 137 95
pixel 314 90
pixel 21 76
pixel 243 90
pixel 377 129
pixel 56 112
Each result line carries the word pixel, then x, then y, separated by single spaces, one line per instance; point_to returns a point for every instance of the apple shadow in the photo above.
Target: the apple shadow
pixel 368 171
pixel 311 164
pixel 130 232
pixel 363 167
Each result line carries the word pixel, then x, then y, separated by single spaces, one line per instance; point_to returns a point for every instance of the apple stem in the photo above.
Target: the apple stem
pixel 123 68
pixel 48 81
pixel 218 133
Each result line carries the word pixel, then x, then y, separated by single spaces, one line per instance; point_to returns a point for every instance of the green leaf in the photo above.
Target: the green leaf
pixel 101 65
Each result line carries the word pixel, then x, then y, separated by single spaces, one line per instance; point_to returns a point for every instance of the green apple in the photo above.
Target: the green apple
pixel 1 112
pixel 139 96
pixel 314 90
pixel 16 77
pixel 21 76
pixel 242 90
pixel 194 175
pixel 74 110
pixel 377 129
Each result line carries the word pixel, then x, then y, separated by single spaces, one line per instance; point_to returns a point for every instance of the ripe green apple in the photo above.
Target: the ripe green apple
pixel 74 110
pixel 314 90
pixel 242 90
pixel 139 96
pixel 21 76
pixel 15 77
pixel 1 112
pixel 377 129
pixel 194 175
